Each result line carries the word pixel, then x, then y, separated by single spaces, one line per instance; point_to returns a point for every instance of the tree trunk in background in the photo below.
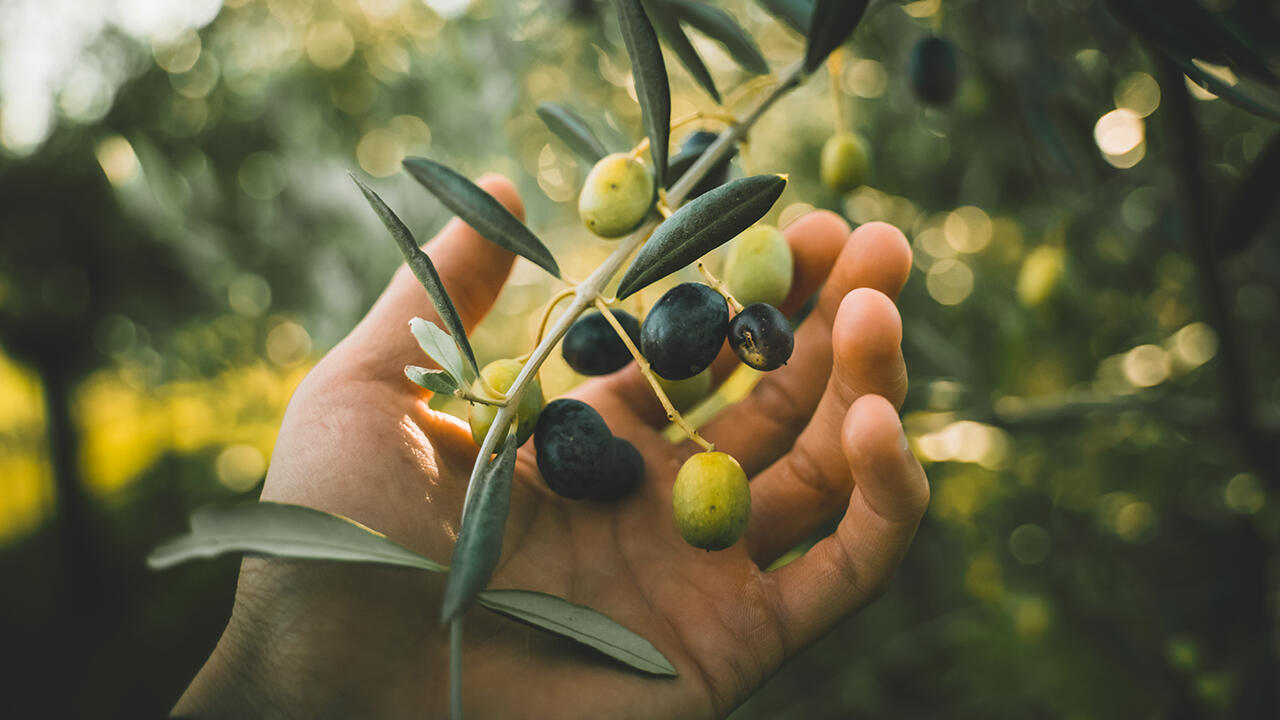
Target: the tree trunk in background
pixel 73 523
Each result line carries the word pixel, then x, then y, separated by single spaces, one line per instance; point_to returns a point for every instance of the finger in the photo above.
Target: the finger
pixel 811 482
pixel 854 565
pixel 473 271
pixel 816 240
pixel 765 424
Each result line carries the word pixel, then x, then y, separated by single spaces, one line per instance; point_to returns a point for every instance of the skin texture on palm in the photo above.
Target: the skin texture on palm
pixel 817 437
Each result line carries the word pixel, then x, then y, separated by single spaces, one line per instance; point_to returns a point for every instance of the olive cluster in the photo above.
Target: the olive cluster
pixel 680 337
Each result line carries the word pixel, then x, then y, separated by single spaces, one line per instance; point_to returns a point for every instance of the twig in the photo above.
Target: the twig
pixel 672 414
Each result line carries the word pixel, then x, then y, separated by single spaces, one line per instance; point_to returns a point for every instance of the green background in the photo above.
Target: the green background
pixel 179 242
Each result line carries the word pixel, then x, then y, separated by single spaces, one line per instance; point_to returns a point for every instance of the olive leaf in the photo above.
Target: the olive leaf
pixel 297 532
pixel 701 226
pixel 831 24
pixel 424 270
pixel 573 130
pixel 721 27
pixel 285 531
pixel 479 545
pixel 437 381
pixel 587 626
pixel 795 13
pixel 1256 198
pixel 664 21
pixel 481 211
pixel 439 346
pixel 650 74
pixel 1207 49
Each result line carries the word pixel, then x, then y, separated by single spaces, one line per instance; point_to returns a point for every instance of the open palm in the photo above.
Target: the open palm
pixel 819 437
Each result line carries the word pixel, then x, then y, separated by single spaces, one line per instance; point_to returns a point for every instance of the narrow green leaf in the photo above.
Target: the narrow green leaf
pixel 480 541
pixel 721 27
pixel 1201 42
pixel 650 74
pixel 478 209
pixel 1249 95
pixel 700 227
pixel 664 21
pixel 284 531
pixel 832 23
pixel 1255 199
pixel 424 270
pixel 573 130
pixel 589 627
pixel 439 346
pixel 437 381
pixel 795 13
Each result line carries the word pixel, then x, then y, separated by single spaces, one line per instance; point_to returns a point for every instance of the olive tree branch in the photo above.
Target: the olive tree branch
pixel 584 295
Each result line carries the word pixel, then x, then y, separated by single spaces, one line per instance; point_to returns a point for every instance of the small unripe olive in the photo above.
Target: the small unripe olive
pixel 761 336
pixel 933 70
pixel 759 266
pixel 686 393
pixel 592 346
pixel 616 195
pixel 844 162
pixel 501 375
pixel 711 501
pixel 575 448
pixel 683 332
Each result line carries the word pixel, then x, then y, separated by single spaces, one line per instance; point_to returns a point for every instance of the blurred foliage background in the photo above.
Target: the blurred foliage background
pixel 1094 385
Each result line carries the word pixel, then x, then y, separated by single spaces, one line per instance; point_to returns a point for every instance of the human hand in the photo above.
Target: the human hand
pixel 817 437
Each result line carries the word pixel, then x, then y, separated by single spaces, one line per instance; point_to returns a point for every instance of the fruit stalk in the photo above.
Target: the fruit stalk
pixel 586 291
pixel 672 414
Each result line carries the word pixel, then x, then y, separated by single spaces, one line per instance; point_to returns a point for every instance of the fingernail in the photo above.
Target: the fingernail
pixel 903 443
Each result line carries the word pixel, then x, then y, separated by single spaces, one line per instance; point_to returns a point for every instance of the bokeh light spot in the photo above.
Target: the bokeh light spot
pixel 1029 544
pixel 1245 494
pixel 330 45
pixel 949 282
pixel 118 161
pixel 240 467
pixel 1146 366
pixel 380 152
pixel 288 344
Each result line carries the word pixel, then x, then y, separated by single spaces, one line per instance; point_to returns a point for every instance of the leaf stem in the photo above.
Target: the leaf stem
pixel 672 414
pixel 546 314
pixel 719 287
pixel 455 669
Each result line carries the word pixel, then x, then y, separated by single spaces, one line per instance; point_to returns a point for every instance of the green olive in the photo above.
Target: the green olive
pixel 844 162
pixel 686 393
pixel 759 266
pixel 501 375
pixel 711 501
pixel 616 196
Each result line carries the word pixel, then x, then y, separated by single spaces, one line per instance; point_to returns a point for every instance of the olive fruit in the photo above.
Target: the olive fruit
pixel 690 150
pixel 844 162
pixel 624 473
pixel 592 346
pixel 759 266
pixel 684 330
pixel 711 501
pixel 501 375
pixel 616 196
pixel 761 336
pixel 686 393
pixel 933 71
pixel 575 447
